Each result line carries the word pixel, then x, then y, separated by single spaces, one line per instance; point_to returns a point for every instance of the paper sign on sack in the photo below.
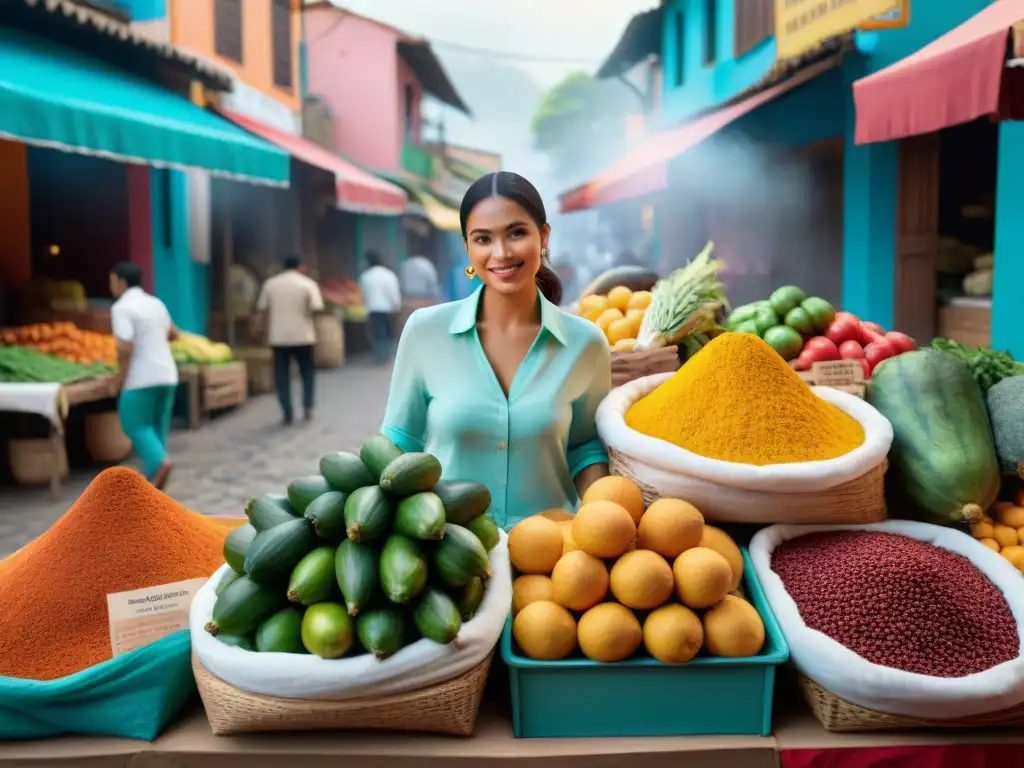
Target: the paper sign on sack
pixel 143 616
pixel 838 373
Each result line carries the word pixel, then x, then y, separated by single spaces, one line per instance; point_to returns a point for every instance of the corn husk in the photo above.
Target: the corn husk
pixel 684 304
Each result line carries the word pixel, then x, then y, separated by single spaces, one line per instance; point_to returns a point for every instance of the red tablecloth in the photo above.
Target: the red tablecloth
pixel 931 756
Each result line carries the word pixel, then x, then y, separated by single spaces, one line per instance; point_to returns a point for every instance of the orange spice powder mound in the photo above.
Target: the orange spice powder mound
pixel 121 534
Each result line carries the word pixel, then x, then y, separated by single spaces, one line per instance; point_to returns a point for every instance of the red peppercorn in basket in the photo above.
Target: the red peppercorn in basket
pixel 899 617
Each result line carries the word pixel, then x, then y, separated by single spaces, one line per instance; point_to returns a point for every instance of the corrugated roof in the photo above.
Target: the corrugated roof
pixel 641 38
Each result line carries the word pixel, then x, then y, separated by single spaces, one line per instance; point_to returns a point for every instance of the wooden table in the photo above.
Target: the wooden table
pixel 189 378
pixel 77 393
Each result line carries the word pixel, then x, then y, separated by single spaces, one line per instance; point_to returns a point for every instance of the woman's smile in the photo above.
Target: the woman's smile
pixel 507 270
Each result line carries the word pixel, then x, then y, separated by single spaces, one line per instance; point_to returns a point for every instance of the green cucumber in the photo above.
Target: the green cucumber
pixel 356 572
pixel 376 453
pixel 243 607
pixel 345 471
pixel 312 580
pixel 236 642
pixel 327 514
pixel 437 617
pixel 276 551
pixel 269 510
pixel 460 556
pixel 368 513
pixel 237 544
pixel 302 491
pixel 471 597
pixel 411 473
pixel 486 530
pixel 420 517
pixel 281 633
pixel 229 578
pixel 403 569
pixel 327 631
pixel 463 499
pixel 942 456
pixel 382 631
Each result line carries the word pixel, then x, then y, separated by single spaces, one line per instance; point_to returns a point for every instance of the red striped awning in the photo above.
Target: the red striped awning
pixel 644 170
pixel 956 78
pixel 358 191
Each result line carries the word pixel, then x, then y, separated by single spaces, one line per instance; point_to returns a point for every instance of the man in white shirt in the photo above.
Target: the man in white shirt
pixel 419 279
pixel 290 299
pixel 143 329
pixel 383 299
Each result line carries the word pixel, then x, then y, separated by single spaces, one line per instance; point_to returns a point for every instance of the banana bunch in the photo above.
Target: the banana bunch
pixel 193 348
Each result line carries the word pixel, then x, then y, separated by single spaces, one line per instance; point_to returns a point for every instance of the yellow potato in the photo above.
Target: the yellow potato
pixel 618 297
pixel 608 317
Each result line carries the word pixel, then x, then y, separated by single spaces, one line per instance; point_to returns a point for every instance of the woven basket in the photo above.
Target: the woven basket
pixel 449 708
pixel 836 714
pixel 35 461
pixel 861 500
pixel 628 366
pixel 104 439
pixel 329 351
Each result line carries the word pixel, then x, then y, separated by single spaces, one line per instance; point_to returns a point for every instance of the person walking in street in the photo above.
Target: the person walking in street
pixel 289 300
pixel 419 279
pixel 383 299
pixel 143 329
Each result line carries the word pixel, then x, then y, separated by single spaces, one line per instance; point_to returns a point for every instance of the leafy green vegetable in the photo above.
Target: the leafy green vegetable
pixel 988 366
pixel 25 365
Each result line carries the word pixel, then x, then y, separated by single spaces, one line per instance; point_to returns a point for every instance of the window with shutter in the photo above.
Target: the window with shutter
pixel 227 28
pixel 755 22
pixel 281 39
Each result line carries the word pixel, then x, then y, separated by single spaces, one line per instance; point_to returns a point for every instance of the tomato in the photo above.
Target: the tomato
pixel 901 341
pixel 846 315
pixel 869 335
pixel 867 368
pixel 877 351
pixel 844 329
pixel 820 350
pixel 803 362
pixel 851 350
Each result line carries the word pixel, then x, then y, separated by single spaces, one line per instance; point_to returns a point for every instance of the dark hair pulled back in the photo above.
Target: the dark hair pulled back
pixel 129 272
pixel 514 187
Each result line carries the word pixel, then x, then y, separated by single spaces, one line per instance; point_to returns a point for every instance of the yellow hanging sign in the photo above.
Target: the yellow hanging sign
pixel 802 25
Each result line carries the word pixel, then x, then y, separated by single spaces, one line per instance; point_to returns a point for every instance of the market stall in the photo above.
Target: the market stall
pixel 768 562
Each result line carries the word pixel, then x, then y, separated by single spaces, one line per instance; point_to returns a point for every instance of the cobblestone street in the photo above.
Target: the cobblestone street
pixel 233 457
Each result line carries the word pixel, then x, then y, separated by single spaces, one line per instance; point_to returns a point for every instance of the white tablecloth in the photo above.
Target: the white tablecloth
pixel 42 399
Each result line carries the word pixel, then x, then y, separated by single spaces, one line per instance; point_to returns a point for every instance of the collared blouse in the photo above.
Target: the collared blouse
pixel 527 447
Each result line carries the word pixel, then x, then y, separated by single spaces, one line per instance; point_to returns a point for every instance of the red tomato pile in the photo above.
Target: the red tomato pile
pixel 849 338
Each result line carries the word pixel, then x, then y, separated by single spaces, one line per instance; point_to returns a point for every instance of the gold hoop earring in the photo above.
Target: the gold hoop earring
pixel 470 273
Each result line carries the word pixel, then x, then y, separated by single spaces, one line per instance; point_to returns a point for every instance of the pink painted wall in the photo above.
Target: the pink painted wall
pixel 355 69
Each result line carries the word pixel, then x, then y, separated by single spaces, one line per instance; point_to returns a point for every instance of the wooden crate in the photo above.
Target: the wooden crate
pixel 224 386
pixel 627 366
pixel 260 364
pixel 968 325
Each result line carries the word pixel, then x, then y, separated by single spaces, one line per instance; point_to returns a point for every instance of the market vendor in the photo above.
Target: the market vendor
pixel 502 387
pixel 143 329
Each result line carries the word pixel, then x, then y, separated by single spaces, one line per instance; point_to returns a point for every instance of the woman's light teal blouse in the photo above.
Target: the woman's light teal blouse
pixel 527 448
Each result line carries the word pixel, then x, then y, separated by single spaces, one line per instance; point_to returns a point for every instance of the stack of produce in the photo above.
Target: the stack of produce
pixel 23 364
pixel 763 413
pixel 1005 403
pixel 942 460
pixel 64 340
pixel 979 282
pixel 61 295
pixel 1003 531
pixel 672 582
pixel 633 277
pixel 120 535
pixel 898 602
pixel 988 366
pixel 345 294
pixel 680 310
pixel 365 557
pixel 807 330
pixel 199 350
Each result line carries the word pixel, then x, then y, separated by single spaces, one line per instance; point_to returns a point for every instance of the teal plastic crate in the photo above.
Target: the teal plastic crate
pixel 579 698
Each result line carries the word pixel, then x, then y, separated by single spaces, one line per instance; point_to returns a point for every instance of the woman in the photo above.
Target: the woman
pixel 503 386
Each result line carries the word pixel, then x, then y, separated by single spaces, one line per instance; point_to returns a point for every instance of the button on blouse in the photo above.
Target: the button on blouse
pixel 527 447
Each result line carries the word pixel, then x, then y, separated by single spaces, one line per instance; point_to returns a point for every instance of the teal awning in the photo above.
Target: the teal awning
pixel 55 97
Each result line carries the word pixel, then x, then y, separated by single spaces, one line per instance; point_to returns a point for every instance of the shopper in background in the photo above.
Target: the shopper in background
pixel 419 279
pixel 289 300
pixel 144 331
pixel 383 299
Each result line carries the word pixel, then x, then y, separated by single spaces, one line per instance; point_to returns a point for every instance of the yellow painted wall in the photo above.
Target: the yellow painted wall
pixel 191 23
pixel 15 218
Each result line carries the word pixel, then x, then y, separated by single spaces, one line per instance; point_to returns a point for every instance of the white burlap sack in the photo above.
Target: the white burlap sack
pixel 293 676
pixel 720 488
pixel 883 689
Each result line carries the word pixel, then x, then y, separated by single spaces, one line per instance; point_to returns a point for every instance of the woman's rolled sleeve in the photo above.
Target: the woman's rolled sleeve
pixel 405 420
pixel 585 447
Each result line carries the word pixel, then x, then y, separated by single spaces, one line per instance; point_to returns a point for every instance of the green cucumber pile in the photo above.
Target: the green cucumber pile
pixel 368 556
pixel 25 365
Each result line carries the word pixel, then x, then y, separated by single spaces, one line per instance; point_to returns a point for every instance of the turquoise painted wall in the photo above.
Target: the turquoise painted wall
pixel 179 282
pixel 144 10
pixel 811 113
pixel 1007 325
pixel 704 87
